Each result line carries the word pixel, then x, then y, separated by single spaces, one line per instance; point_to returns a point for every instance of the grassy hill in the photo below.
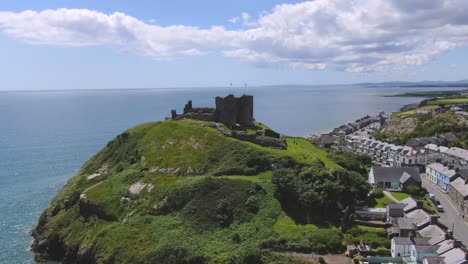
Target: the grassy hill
pixel 181 192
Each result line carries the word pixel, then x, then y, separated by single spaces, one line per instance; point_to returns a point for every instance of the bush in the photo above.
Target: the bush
pixel 413 189
pixel 321 260
pixel 378 193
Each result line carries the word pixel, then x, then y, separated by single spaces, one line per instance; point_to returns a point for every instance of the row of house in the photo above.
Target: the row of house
pixel 332 139
pixel 452 181
pixel 417 237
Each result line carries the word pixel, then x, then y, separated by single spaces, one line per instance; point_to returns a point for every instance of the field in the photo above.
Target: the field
pixel 400 195
pixel 449 101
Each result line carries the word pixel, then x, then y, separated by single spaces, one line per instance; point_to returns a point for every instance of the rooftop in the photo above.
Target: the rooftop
pixel 389 174
pixel 435 233
pixel 410 204
pixel 419 217
pixel 458 152
pixel 454 256
pixel 461 187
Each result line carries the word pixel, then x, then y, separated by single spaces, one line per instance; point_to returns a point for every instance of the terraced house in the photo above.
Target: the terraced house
pixel 441 175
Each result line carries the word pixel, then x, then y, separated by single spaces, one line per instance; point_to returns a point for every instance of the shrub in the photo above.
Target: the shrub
pixel 321 260
pixel 413 189
pixel 378 193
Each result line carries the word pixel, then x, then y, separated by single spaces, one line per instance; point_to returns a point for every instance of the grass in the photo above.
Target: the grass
pixel 376 236
pixel 400 195
pixel 286 227
pixel 412 112
pixel 383 202
pixel 449 101
pixel 135 231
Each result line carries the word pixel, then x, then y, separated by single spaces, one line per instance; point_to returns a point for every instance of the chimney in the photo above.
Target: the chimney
pixel 419 204
pixel 434 219
pixel 450 167
pixel 448 235
pixel 457 243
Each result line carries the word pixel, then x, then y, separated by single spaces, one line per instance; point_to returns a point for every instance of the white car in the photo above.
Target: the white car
pixel 440 208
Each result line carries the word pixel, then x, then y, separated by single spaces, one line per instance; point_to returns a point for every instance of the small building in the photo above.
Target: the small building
pixel 459 193
pixel 419 218
pixel 455 256
pixel 457 157
pixel 351 250
pixel 441 175
pixel 411 204
pixel 395 210
pixel 434 233
pixel 406 227
pixel 401 246
pixel 447 245
pixel 419 252
pixel 366 213
pixel 394 178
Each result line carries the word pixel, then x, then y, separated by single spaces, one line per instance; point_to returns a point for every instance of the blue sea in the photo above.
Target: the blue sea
pixel 46 136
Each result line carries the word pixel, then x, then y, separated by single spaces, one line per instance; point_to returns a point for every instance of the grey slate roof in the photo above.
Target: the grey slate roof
pixel 402 241
pixel 454 256
pixel 445 246
pixel 399 206
pixel 427 248
pixel 388 174
pixel 460 186
pixel 435 260
pixel 410 204
pixel 405 223
pixel 434 233
pixel 419 217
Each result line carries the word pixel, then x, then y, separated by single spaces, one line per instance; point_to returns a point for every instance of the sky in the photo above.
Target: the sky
pixel 84 44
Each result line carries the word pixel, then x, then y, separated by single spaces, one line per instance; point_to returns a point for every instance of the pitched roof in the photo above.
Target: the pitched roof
pixel 419 217
pixel 410 204
pixel 458 152
pixel 389 174
pixel 445 246
pixel 434 233
pixel 405 223
pixel 434 260
pixel 402 241
pixel 426 248
pixel 454 256
pixel 460 186
pixel 399 206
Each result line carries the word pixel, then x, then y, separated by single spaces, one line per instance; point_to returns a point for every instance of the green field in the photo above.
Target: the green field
pixel 400 195
pixel 449 101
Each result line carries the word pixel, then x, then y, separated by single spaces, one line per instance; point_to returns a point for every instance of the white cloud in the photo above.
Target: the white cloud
pixel 355 36
pixel 234 20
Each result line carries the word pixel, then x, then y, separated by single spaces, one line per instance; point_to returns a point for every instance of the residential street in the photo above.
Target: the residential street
pixel 451 216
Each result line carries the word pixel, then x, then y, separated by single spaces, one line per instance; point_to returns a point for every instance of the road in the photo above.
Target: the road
pixel 451 216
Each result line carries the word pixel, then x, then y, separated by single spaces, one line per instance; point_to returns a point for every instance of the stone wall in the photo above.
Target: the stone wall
pixel 234 112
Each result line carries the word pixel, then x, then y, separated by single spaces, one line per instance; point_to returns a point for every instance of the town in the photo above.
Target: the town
pixel 422 186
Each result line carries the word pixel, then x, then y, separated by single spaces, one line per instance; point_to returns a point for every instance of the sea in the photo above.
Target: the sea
pixel 46 136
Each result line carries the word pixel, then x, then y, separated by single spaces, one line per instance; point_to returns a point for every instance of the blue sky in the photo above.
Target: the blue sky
pixel 162 44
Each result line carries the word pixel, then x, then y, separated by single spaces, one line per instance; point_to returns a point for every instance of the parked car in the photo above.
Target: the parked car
pixel 431 196
pixel 440 208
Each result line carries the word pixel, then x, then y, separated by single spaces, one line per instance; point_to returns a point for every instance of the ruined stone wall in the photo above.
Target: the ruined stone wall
pixel 232 111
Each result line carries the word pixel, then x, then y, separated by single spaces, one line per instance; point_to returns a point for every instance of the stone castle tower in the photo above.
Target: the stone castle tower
pixel 232 111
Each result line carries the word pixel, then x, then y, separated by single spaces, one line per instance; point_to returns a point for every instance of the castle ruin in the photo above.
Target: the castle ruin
pixel 234 112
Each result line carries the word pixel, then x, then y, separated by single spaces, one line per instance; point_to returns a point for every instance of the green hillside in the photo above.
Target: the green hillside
pixel 182 192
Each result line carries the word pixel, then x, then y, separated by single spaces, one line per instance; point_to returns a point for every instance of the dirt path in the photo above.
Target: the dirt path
pixel 389 194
